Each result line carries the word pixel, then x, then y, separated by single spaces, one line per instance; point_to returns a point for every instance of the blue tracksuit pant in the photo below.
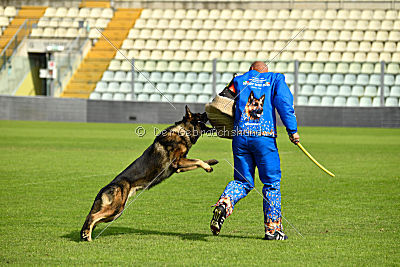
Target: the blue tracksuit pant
pixel 261 152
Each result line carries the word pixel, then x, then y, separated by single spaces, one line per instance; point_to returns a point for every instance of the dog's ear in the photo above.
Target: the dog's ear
pixel 204 117
pixel 262 98
pixel 251 96
pixel 188 113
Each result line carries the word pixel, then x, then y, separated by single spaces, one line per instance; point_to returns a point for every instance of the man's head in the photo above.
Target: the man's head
pixel 259 66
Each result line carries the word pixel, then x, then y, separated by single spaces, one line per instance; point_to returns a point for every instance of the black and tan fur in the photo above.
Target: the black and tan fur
pixel 166 156
pixel 254 107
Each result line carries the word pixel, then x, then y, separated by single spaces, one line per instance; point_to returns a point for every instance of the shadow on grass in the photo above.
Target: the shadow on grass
pixel 114 231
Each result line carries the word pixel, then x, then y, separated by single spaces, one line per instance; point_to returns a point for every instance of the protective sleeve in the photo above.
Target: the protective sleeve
pixel 283 102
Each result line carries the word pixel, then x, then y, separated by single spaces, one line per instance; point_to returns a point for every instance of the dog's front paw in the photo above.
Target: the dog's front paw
pixel 209 170
pixel 86 236
pixel 207 167
pixel 212 161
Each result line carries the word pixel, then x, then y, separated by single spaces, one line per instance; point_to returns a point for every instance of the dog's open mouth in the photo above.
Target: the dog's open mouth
pixel 256 114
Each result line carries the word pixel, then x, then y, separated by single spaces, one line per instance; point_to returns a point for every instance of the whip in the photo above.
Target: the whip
pixel 314 160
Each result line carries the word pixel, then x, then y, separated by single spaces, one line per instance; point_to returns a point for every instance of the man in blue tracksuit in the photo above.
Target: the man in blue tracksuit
pixel 257 94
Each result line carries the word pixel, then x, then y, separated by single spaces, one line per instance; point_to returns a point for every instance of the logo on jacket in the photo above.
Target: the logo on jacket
pixel 254 107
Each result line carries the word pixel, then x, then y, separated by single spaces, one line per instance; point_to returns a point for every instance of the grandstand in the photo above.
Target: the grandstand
pixel 344 56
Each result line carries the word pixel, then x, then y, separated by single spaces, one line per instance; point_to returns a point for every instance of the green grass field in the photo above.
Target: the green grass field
pixel 51 172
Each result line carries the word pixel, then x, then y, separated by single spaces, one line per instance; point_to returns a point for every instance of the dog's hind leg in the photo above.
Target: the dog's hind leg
pixel 107 207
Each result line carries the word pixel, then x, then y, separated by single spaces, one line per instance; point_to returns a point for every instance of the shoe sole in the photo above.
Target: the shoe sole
pixel 214 222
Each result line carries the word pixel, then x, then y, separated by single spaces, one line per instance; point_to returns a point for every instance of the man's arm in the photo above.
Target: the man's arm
pixel 283 102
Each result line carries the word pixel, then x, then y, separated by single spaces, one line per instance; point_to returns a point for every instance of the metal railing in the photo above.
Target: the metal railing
pixel 12 45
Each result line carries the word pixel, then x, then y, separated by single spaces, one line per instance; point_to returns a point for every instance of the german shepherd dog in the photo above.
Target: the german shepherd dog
pixel 166 156
pixel 254 107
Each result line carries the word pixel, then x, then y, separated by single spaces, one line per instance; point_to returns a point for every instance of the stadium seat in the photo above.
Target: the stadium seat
pixel 330 67
pixel 197 66
pixel 161 87
pixel 342 68
pixel 395 91
pixel 179 98
pixel 352 102
pixel 314 101
pixel 185 88
pixel 357 90
pixel 125 87
pixel 375 79
pixel 305 67
pixel 108 76
pixel 344 90
pixel 301 78
pixel 302 100
pixel 306 90
pixel 337 79
pixel 155 97
pixel 119 97
pixel 365 101
pixel 332 90
pixel 339 101
pixel 191 77
pixel 95 96
pixel 386 91
pixel 106 96
pixel 391 102
pixel 317 67
pixel 173 88
pixel 370 91
pixel 376 102
pixel 119 76
pixel 203 99
pixel 113 87
pixel 196 89
pixel 191 98
pixel 138 87
pixel 167 77
pixel 289 78
pixel 350 79
pixel 149 88
pixel 360 56
pixel 143 77
pixel 101 87
pixel 362 79
pixel 397 81
pixel 367 68
pixel 319 90
pixel 179 77
pixel 389 79
pixel 393 68
pixel 325 79
pixel 327 101
pixel 143 97
pixel 155 77
pixel 207 89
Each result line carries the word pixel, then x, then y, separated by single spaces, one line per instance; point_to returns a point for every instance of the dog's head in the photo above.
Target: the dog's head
pixel 254 106
pixel 194 124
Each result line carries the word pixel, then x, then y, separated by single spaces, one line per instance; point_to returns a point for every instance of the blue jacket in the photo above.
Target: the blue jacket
pixel 258 95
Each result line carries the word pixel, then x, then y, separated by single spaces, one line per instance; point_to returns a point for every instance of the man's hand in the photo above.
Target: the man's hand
pixel 294 138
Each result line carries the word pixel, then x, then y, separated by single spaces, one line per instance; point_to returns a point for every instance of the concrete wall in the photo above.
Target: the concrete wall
pixel 82 110
pixel 42 108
